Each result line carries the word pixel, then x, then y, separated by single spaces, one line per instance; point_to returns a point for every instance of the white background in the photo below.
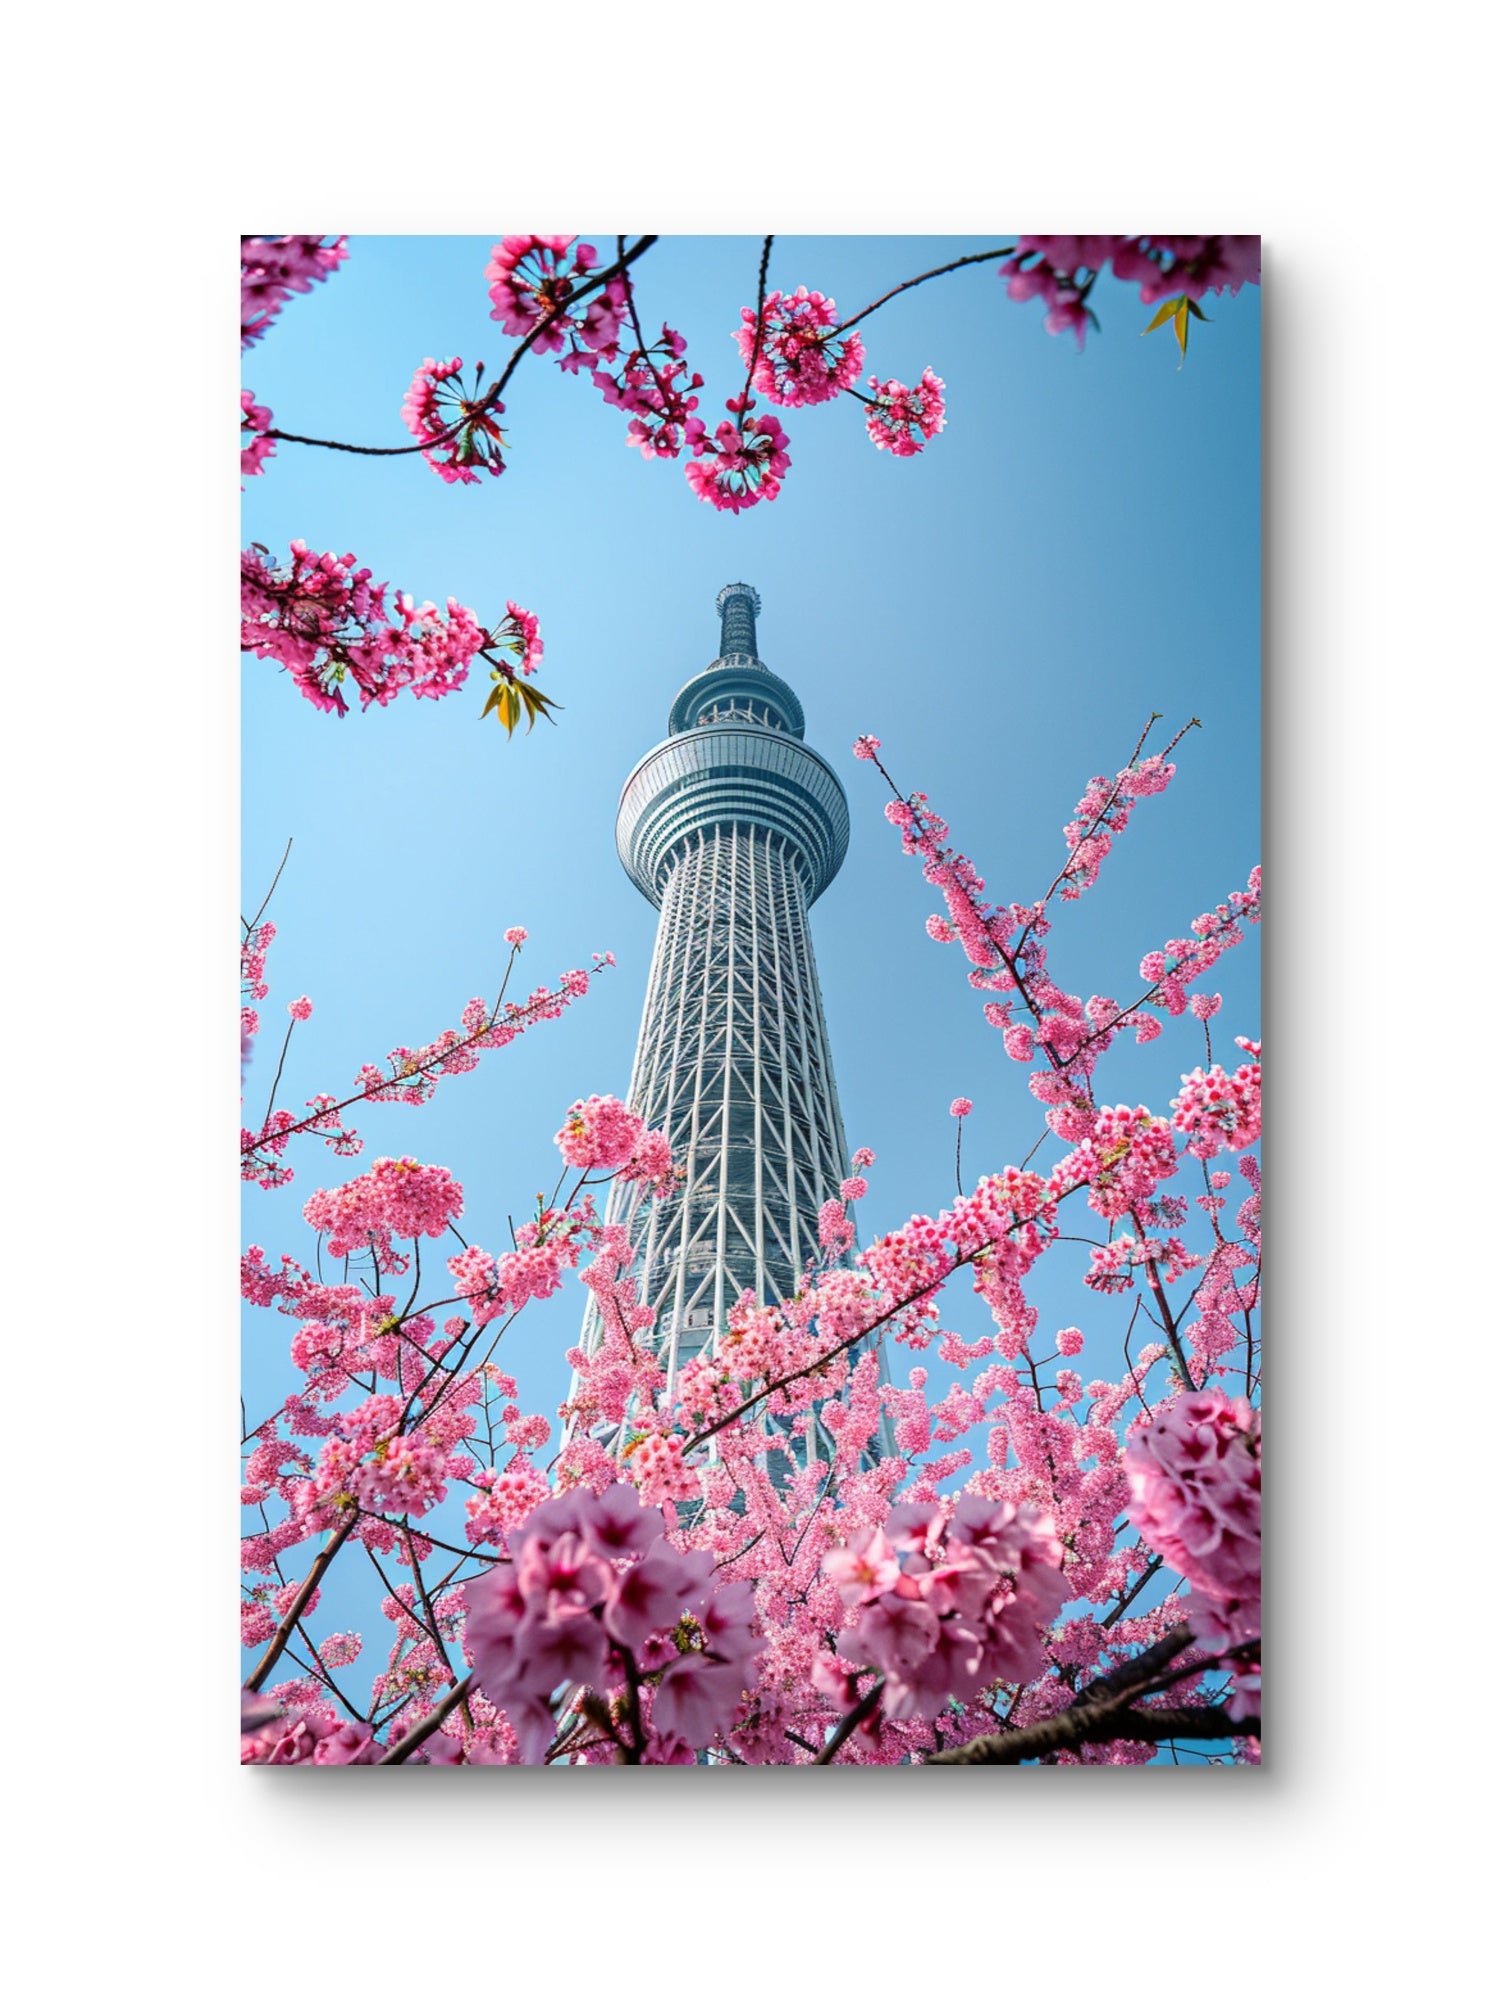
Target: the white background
pixel 144 141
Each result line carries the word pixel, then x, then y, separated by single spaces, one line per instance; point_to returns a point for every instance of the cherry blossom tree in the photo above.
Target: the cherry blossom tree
pixel 788 1553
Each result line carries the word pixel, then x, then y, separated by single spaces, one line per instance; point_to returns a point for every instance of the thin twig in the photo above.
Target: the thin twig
pixel 271 891
pixel 978 257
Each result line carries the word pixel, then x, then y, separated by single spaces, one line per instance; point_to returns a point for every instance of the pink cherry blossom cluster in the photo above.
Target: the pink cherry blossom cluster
pixel 394 1198
pixel 517 634
pixel 971 1605
pixel 743 463
pixel 533 282
pixel 1128 1154
pixel 600 1133
pixel 273 267
pixel 1213 934
pixel 1220 1113
pixel 598 1596
pixel 255 421
pixel 377 1461
pixel 902 420
pixel 1103 812
pixel 546 1248
pixel 324 620
pixel 655 387
pixel 798 358
pixel 463 428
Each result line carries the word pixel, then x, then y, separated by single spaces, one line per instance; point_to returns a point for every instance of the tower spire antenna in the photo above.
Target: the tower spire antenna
pixel 737 605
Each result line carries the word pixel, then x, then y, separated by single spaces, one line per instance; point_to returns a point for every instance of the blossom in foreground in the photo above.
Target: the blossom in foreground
pixel 273 267
pixel 462 428
pixel 902 420
pixel 799 360
pixel 598 1595
pixel 971 1605
pixel 1195 1474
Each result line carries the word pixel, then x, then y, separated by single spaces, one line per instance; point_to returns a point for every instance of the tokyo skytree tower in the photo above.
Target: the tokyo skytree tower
pixel 733 828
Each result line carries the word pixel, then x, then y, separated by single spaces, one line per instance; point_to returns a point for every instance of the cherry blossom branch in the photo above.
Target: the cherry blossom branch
pixel 976 257
pixel 430 1724
pixel 761 302
pixel 249 927
pixel 281 1063
pixel 1170 1323
pixel 523 1015
pixel 447 437
pixel 1072 863
pixel 638 249
pixel 1116 1724
pixel 1109 1693
pixel 821 1360
pixel 863 1709
pixel 641 339
pixel 277 1644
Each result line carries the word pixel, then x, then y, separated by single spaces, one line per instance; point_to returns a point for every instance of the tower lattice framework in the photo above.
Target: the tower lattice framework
pixel 733 827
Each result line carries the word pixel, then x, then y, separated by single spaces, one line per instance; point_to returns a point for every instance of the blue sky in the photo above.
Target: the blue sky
pixel 1078 547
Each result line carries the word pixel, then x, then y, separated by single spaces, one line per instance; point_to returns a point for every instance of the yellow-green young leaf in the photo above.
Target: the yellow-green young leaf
pixel 1181 326
pixel 1163 315
pixel 503 700
pixel 536 703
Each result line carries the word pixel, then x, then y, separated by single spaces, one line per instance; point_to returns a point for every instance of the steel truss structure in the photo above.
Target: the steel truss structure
pixel 733 828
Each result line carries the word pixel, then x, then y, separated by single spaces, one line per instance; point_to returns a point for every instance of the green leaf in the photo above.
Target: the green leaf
pixel 1196 311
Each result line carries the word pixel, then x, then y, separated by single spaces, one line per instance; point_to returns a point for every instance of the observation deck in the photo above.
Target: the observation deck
pixel 734 756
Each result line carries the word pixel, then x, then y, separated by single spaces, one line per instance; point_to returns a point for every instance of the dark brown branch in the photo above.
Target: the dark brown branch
pixel 1115 1724
pixel 430 1724
pixel 865 1707
pixel 299 1604
pixel 1103 1713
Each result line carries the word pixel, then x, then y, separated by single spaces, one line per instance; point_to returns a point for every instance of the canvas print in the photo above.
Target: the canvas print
pixel 750 1060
